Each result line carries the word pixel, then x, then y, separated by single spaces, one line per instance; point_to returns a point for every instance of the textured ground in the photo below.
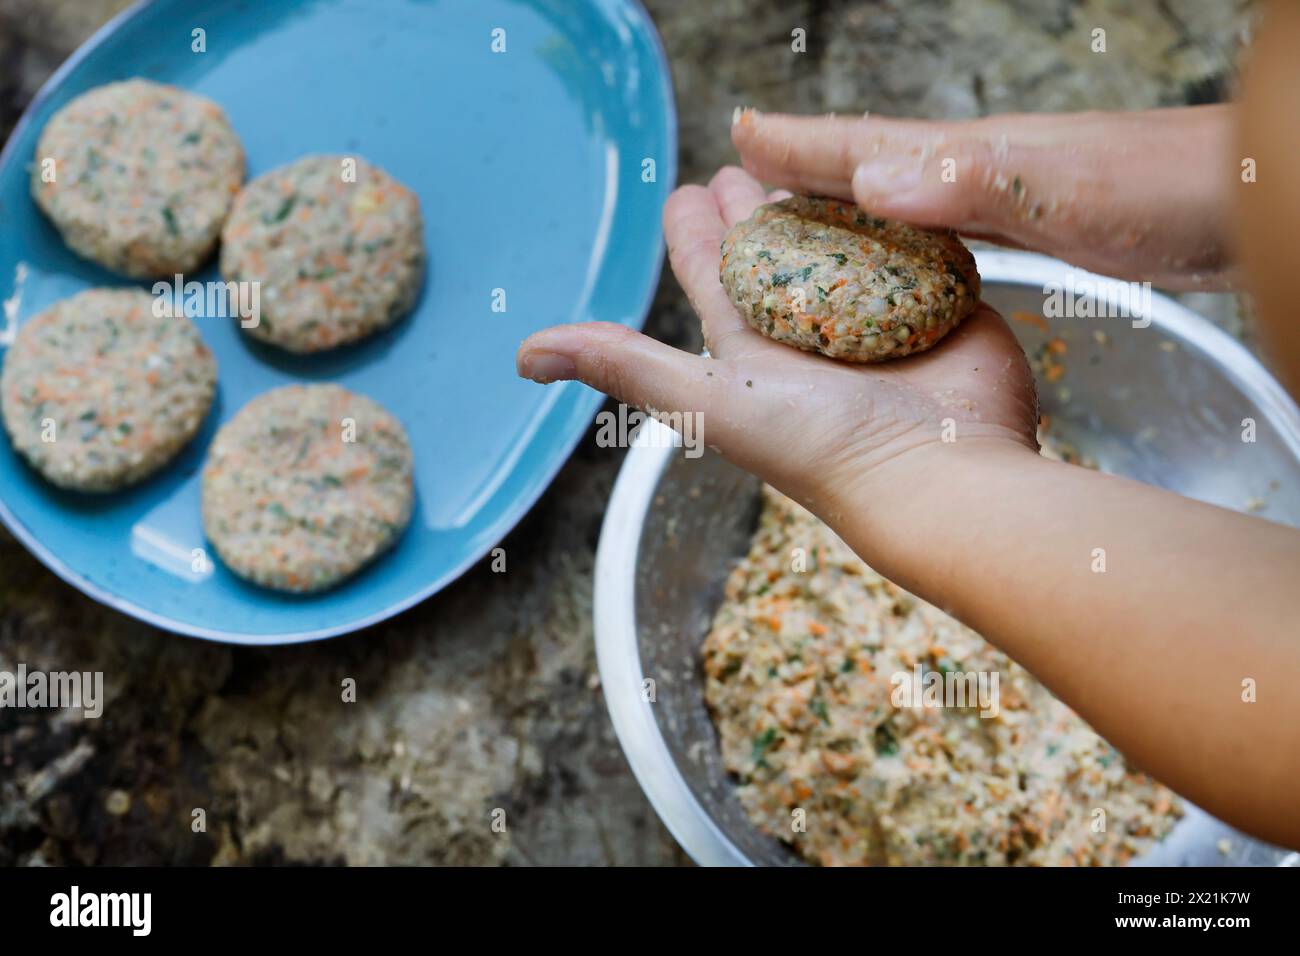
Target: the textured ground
pixel 485 697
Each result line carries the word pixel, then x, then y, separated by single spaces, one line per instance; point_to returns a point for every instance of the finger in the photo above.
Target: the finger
pixel 737 194
pixel 1128 194
pixel 803 153
pixel 994 179
pixel 694 230
pixel 1135 195
pixel 892 167
pixel 640 371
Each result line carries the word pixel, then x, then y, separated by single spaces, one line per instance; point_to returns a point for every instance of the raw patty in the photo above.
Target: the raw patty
pixel 125 390
pixel 336 260
pixel 824 276
pixel 288 503
pixel 798 672
pixel 144 176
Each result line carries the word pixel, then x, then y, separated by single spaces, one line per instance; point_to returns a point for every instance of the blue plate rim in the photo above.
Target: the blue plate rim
pixel 588 404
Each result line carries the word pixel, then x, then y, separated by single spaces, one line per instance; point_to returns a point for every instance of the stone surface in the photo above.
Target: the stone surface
pixel 485 698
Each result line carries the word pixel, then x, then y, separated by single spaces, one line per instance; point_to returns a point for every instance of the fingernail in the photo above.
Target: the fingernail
pixel 743 115
pixel 886 177
pixel 546 367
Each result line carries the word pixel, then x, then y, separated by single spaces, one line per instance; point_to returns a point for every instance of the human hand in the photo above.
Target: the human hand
pixel 819 430
pixel 983 527
pixel 1140 196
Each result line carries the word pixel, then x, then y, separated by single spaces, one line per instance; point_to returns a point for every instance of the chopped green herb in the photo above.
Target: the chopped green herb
pixel 785 278
pixel 948 666
pixel 283 212
pixel 886 744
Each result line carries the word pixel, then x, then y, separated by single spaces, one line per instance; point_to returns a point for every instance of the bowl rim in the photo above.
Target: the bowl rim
pixel 614 595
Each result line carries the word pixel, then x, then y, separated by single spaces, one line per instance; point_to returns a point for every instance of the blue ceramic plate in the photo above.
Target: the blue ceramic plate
pixel 529 168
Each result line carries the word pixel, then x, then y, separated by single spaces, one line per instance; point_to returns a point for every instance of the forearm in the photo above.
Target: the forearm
pixel 1153 650
pixel 1268 201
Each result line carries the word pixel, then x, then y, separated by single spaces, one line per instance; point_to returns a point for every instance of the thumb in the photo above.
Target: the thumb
pixel 642 372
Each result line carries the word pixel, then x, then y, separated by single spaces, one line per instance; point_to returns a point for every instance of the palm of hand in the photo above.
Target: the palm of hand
pixel 809 420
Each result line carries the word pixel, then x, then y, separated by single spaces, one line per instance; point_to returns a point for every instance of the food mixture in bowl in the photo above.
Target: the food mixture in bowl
pixel 800 678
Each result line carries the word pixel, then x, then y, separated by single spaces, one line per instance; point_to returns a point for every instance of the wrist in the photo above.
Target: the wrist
pixel 904 509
